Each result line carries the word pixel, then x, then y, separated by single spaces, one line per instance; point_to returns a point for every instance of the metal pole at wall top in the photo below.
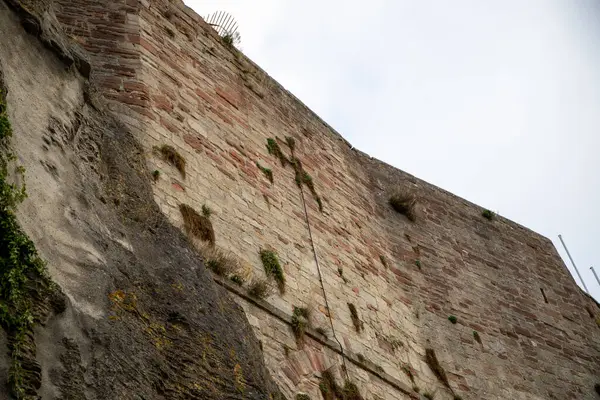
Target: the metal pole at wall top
pixel 574 266
pixel 594 272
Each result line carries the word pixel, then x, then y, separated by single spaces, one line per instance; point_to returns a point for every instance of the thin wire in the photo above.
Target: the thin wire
pixel 312 243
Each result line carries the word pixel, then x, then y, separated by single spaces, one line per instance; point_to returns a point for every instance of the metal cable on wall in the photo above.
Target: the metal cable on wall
pixel 312 243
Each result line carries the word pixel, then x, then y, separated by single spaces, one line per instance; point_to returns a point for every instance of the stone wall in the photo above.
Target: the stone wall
pixel 172 79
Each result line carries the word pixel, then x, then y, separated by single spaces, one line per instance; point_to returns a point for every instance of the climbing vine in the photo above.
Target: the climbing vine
pixel 23 276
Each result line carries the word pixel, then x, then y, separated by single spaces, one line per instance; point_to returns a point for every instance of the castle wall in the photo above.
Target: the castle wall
pixel 171 78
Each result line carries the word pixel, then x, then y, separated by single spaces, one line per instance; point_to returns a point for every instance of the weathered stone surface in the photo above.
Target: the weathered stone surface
pixel 141 316
pixel 218 109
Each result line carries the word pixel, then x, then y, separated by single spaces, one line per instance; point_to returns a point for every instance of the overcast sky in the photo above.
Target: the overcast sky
pixel 496 101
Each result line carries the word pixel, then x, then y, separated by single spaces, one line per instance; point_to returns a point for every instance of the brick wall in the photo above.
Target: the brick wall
pixel 170 78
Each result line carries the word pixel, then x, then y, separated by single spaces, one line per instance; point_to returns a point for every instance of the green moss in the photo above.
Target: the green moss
pixel 267 171
pixel 351 391
pixel 300 321
pixel 273 268
pixel 452 319
pixel 302 396
pixel 228 40
pixel 301 176
pixel 274 149
pixel 238 280
pixel 206 211
pixel 487 214
pixel 477 337
pixel 329 388
pixel 418 263
pixel 156 175
pixel 23 277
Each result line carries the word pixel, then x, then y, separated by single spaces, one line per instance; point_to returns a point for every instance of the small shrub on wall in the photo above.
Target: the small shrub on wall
pixel 300 321
pixel 197 225
pixel 259 288
pixel 273 268
pixel 487 214
pixel 170 155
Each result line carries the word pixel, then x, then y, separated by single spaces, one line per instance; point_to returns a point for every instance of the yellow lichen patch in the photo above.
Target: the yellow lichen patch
pixel 123 300
pixel 158 335
pixel 240 382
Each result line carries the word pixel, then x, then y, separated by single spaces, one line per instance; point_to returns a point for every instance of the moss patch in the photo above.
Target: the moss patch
pixel 259 288
pixel 268 172
pixel 237 279
pixel 330 390
pixel 300 321
pixel 197 225
pixel 170 155
pixel 487 214
pixel 301 176
pixel 273 268
pixel 274 149
pixel 206 211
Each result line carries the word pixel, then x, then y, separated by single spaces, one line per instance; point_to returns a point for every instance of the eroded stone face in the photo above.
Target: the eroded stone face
pixel 186 89
pixel 143 317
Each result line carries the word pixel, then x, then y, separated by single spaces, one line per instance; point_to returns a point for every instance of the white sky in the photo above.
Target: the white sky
pixel 496 101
